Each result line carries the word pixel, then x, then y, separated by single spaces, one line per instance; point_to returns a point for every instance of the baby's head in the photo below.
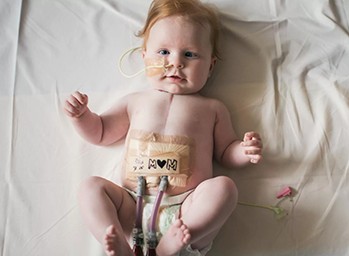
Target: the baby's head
pixel 193 10
pixel 180 45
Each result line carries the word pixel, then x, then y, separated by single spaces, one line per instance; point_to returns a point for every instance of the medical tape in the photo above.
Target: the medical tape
pixel 153 66
pixel 153 155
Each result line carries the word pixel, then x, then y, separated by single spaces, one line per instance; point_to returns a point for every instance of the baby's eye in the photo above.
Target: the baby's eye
pixel 190 55
pixel 164 52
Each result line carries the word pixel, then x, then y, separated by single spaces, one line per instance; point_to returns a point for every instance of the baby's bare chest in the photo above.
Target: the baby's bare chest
pixel 180 116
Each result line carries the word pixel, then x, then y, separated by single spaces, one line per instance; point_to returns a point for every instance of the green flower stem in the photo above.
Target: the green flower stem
pixel 257 205
pixel 279 212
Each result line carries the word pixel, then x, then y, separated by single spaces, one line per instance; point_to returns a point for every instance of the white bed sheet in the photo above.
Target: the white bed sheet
pixel 284 72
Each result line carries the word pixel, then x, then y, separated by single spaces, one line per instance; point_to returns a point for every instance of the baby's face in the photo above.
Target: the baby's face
pixel 185 49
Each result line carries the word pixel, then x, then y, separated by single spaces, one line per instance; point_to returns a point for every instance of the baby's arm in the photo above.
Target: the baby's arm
pixel 230 150
pixel 101 130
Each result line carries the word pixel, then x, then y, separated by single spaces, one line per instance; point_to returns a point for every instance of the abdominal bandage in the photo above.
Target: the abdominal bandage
pixel 153 155
pixel 153 66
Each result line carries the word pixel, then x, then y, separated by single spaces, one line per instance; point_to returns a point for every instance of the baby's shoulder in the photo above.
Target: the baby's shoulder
pixel 134 96
pixel 212 102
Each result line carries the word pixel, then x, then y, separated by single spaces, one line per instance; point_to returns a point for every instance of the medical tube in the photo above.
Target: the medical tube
pixel 138 240
pixel 152 239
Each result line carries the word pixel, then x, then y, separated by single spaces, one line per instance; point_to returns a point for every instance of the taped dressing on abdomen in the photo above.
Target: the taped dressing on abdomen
pixel 154 155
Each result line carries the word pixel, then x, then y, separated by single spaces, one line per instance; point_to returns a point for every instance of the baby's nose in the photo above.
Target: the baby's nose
pixel 176 62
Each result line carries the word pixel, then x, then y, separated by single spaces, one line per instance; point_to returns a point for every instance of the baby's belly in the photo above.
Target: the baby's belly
pixel 153 155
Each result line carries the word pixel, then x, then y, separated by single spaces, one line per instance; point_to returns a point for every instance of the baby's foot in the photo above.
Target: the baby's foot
pixel 114 245
pixel 176 238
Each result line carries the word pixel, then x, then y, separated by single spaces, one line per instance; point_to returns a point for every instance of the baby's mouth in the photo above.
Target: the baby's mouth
pixel 174 78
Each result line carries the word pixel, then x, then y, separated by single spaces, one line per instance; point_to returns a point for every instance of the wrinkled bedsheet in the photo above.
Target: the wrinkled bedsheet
pixel 284 72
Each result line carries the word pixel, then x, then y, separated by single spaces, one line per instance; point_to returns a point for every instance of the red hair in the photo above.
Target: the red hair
pixel 194 10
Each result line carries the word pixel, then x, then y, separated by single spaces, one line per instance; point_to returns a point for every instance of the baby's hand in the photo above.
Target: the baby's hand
pixel 252 145
pixel 76 104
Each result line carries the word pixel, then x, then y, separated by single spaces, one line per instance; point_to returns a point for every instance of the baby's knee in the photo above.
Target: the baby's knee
pixel 89 185
pixel 225 183
pixel 226 187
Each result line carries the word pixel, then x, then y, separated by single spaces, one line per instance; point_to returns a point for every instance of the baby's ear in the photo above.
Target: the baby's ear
pixel 213 63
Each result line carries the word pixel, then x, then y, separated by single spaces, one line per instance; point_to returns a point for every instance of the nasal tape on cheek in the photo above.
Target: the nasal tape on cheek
pixel 153 155
pixel 155 66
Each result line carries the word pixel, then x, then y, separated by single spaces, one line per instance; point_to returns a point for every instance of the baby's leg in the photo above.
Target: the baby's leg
pixel 176 238
pixel 207 209
pixel 109 212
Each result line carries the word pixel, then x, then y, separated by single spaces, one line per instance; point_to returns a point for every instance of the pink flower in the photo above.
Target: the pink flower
pixel 287 191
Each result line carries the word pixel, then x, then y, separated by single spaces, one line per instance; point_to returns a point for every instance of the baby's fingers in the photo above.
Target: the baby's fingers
pixel 70 109
pixel 255 159
pixel 76 104
pixel 253 143
pixel 254 154
pixel 252 151
pixel 253 146
pixel 81 98
pixel 251 136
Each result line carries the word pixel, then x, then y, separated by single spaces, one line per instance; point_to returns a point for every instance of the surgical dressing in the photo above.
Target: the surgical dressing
pixel 153 66
pixel 153 155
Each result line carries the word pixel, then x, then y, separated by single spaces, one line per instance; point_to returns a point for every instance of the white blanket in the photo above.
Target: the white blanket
pixel 284 72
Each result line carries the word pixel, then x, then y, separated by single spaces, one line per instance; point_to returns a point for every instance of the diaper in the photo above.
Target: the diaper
pixel 168 211
pixel 153 155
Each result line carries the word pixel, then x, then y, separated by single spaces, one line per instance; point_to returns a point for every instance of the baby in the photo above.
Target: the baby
pixel 182 35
